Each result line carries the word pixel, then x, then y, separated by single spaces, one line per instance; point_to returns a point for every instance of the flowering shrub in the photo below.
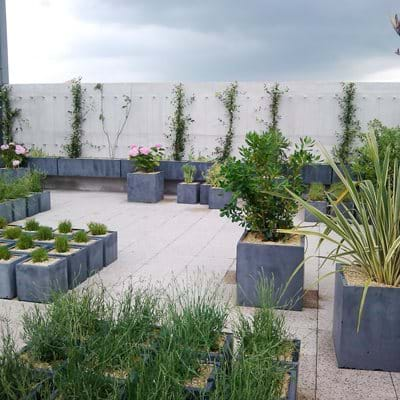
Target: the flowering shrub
pixel 146 159
pixel 13 154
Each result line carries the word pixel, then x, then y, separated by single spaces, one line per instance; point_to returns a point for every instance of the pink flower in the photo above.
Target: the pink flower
pixel 144 150
pixel 20 149
pixel 16 163
pixel 4 146
pixel 133 152
pixel 134 146
pixel 158 146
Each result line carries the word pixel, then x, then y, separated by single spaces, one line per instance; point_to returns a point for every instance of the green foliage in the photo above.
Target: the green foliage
pixel 5 253
pixel 44 233
pixel 37 152
pixel 65 226
pixel 61 244
pixel 229 99
pixel 32 225
pixel 348 121
pixel 81 237
pixel 25 241
pixel 275 94
pixel 189 171
pixel 9 115
pixel 74 147
pixel 260 179
pixel 3 222
pixel 34 181
pixel 97 229
pixel 338 191
pixel 316 192
pixel 180 122
pixel 146 159
pixel 214 176
pixel 12 232
pixel 17 189
pixel 39 255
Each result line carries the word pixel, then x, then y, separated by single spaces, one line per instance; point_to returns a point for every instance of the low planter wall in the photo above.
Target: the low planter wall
pixel 89 167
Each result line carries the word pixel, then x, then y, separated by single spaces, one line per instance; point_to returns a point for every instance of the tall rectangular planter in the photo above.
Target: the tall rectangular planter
pixel 320 205
pixel 218 198
pixel 37 283
pixel 110 246
pixel 317 173
pixel 188 193
pixel 377 344
pixel 269 261
pixel 145 187
pixel 44 201
pixel 126 168
pixel 89 167
pixel 95 255
pixel 47 165
pixel 19 208
pixel 173 169
pixel 32 204
pixel 8 286
pixel 6 210
pixel 204 193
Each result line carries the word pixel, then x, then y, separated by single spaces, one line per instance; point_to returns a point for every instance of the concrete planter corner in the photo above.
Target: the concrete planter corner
pixel 19 208
pixel 218 198
pixel 204 193
pixel 8 286
pixel 110 246
pixel 44 201
pixel 145 187
pixel 320 205
pixel 188 193
pixel 33 204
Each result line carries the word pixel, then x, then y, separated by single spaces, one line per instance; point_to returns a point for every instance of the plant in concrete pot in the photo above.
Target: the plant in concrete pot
pixel 12 232
pixel 366 250
pixel 260 203
pixel 146 184
pixel 13 155
pixel 188 191
pixel 316 196
pixel 64 227
pixel 31 226
pixel 40 201
pixel 17 193
pixel 109 239
pixel 218 197
pixel 44 235
pixel 40 276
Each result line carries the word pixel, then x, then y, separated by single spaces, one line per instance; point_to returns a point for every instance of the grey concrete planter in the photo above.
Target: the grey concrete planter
pixel 76 265
pixel 95 255
pixel 8 286
pixel 204 193
pixel 256 261
pixel 18 208
pixel 321 173
pixel 320 205
pixel 218 198
pixel 341 207
pixel 145 187
pixel 32 204
pixel 126 168
pixel 44 201
pixel 188 193
pixel 37 282
pixel 6 210
pixel 110 246
pixel 47 165
pixel 11 174
pixel 173 169
pixel 377 344
pixel 89 167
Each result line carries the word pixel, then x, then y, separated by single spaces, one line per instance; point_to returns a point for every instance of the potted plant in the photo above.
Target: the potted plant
pixel 31 226
pixel 44 235
pixel 13 156
pixel 17 192
pixel 366 318
pixel 76 260
pixel 109 240
pixel 259 180
pixel 316 197
pixel 24 243
pixel 188 191
pixel 218 197
pixel 146 184
pixel 64 228
pixel 40 276
pixel 11 233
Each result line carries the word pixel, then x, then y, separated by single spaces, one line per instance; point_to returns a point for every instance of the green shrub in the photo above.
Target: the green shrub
pixel 214 176
pixel 316 192
pixel 338 192
pixel 61 244
pixel 97 229
pixel 12 232
pixel 3 222
pixel 189 171
pixel 39 255
pixel 65 226
pixel 44 233
pixel 17 189
pixel 34 181
pixel 81 237
pixel 5 253
pixel 32 225
pixel 25 241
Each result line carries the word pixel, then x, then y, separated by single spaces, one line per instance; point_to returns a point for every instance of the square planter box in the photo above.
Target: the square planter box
pixel 44 201
pixel 32 204
pixel 321 173
pixel 188 193
pixel 145 187
pixel 257 261
pixel 320 205
pixel 377 344
pixel 37 282
pixel 110 246
pixel 218 198
pixel 89 167
pixel 19 208
pixel 8 287
pixel 95 255
pixel 6 210
pixel 47 165
pixel 76 265
pixel 204 193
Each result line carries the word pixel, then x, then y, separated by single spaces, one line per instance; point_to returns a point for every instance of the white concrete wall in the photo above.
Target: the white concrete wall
pixel 309 108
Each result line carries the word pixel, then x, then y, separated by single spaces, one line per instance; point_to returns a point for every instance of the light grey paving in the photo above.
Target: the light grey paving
pixel 163 242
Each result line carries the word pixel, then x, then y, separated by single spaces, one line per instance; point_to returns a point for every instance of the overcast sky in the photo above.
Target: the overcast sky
pixel 202 40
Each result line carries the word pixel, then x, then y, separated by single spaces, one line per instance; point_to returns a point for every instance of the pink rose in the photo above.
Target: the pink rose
pixel 4 146
pixel 144 150
pixel 16 163
pixel 20 149
pixel 158 146
pixel 133 152
pixel 133 146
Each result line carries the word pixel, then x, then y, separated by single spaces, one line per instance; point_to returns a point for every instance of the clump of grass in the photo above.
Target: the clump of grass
pixel 81 237
pixel 12 232
pixel 316 192
pixel 189 172
pixel 65 226
pixel 61 244
pixel 3 222
pixel 25 242
pixel 44 233
pixel 39 255
pixel 5 253
pixel 97 229
pixel 32 225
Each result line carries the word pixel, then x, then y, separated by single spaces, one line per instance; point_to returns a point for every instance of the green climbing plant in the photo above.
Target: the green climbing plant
pixel 228 97
pixel 275 94
pixel 180 121
pixel 9 115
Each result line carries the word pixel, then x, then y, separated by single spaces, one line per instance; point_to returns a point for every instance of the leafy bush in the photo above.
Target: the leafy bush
pixel 5 253
pixel 97 229
pixel 65 226
pixel 146 159
pixel 189 171
pixel 316 192
pixel 25 241
pixel 260 179
pixel 12 232
pixel 81 237
pixel 3 222
pixel 32 225
pixel 44 233
pixel 61 244
pixel 39 255
pixel 13 155
pixel 214 175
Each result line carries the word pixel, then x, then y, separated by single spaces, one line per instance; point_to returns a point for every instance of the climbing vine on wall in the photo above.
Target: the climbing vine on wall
pixel 275 93
pixel 350 126
pixel 180 121
pixel 9 115
pixel 228 97
pixel 112 140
